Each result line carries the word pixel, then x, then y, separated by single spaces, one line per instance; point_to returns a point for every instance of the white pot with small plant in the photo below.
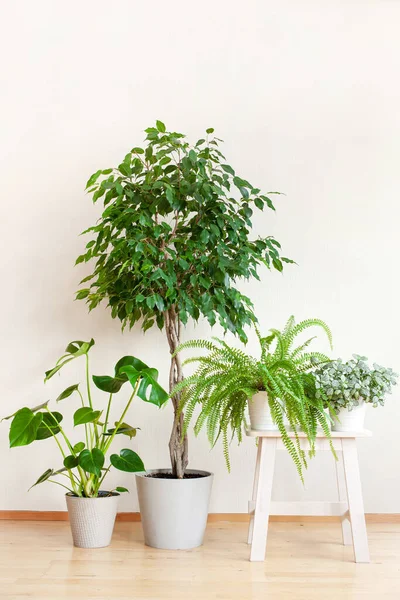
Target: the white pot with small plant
pixel 92 509
pixel 347 387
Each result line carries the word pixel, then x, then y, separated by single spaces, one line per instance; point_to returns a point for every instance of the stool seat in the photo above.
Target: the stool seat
pixel 349 507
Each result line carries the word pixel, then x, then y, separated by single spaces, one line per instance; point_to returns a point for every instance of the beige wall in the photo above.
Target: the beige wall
pixel 306 95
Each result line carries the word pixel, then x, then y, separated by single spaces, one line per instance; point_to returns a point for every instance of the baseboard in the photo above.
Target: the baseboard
pixel 134 517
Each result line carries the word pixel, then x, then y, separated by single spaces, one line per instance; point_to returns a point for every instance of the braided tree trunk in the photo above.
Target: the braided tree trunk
pixel 178 445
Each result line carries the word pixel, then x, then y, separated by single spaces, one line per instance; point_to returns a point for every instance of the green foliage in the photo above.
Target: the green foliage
pixel 344 384
pixel 175 233
pixel 83 461
pixel 226 379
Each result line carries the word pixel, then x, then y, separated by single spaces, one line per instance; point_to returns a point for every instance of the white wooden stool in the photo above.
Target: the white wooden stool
pixel 350 506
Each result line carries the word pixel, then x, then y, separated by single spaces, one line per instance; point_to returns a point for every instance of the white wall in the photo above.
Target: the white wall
pixel 306 95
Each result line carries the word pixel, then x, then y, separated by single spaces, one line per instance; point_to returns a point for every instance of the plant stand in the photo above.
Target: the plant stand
pixel 350 506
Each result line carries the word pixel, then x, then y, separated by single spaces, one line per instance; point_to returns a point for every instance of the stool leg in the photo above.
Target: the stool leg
pixel 355 500
pixel 342 494
pixel 253 498
pixel 263 499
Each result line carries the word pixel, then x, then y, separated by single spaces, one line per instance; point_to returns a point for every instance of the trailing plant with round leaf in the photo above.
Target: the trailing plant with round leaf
pixel 227 378
pixel 84 461
pixel 172 242
pixel 345 384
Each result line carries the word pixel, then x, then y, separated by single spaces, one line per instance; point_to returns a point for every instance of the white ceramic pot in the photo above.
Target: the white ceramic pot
pixel 92 519
pixel 350 420
pixel 260 413
pixel 174 511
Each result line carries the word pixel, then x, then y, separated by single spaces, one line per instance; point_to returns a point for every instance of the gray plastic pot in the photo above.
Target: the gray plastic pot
pixel 174 511
pixel 92 519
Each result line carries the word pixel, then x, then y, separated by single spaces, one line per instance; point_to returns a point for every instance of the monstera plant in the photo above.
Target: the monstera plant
pixel 83 460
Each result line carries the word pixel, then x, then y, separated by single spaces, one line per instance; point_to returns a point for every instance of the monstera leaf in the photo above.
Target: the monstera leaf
pixel 123 429
pixel 127 461
pixel 85 414
pixel 44 477
pixel 132 369
pixel 34 409
pixel 92 461
pixel 149 389
pixel 72 351
pixel 24 427
pixel 49 425
pixel 68 392
pixel 112 385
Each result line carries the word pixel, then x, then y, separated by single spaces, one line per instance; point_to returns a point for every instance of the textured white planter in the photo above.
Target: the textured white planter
pixel 350 420
pixel 92 520
pixel 174 511
pixel 260 413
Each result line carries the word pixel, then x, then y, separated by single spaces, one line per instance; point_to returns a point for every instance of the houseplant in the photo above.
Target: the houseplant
pixel 91 510
pixel 347 387
pixel 273 386
pixel 172 242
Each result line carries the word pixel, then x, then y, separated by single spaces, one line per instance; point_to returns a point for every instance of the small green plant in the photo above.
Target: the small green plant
pixel 173 241
pixel 345 384
pixel 226 379
pixel 83 461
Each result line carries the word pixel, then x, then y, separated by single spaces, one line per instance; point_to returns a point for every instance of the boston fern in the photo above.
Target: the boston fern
pixel 172 242
pixel 226 379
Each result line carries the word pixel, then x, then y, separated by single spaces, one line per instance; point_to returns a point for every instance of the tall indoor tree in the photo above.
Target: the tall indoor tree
pixel 171 244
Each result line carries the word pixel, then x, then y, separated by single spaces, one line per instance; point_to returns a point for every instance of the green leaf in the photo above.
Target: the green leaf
pixel 149 389
pixel 49 421
pixel 105 383
pixel 125 169
pixel 131 361
pixel 127 461
pixel 74 349
pixel 67 392
pixel 85 415
pixel 259 203
pixel 137 151
pixel 123 429
pixel 82 294
pixel 92 461
pixel 70 462
pixel 78 348
pixel 204 236
pixel 24 427
pixel 228 169
pixel 44 477
pixel 160 126
pixel 92 180
pixel 78 447
pixel 121 490
pixel 34 409
pixel 210 130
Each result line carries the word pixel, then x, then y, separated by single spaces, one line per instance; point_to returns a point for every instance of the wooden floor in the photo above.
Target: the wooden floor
pixel 304 561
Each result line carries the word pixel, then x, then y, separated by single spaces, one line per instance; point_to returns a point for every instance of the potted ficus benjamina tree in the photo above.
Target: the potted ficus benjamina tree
pixel 170 245
pixel 273 387
pixel 92 510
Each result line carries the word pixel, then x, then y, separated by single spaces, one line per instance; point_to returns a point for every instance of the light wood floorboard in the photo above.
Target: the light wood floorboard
pixel 305 561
